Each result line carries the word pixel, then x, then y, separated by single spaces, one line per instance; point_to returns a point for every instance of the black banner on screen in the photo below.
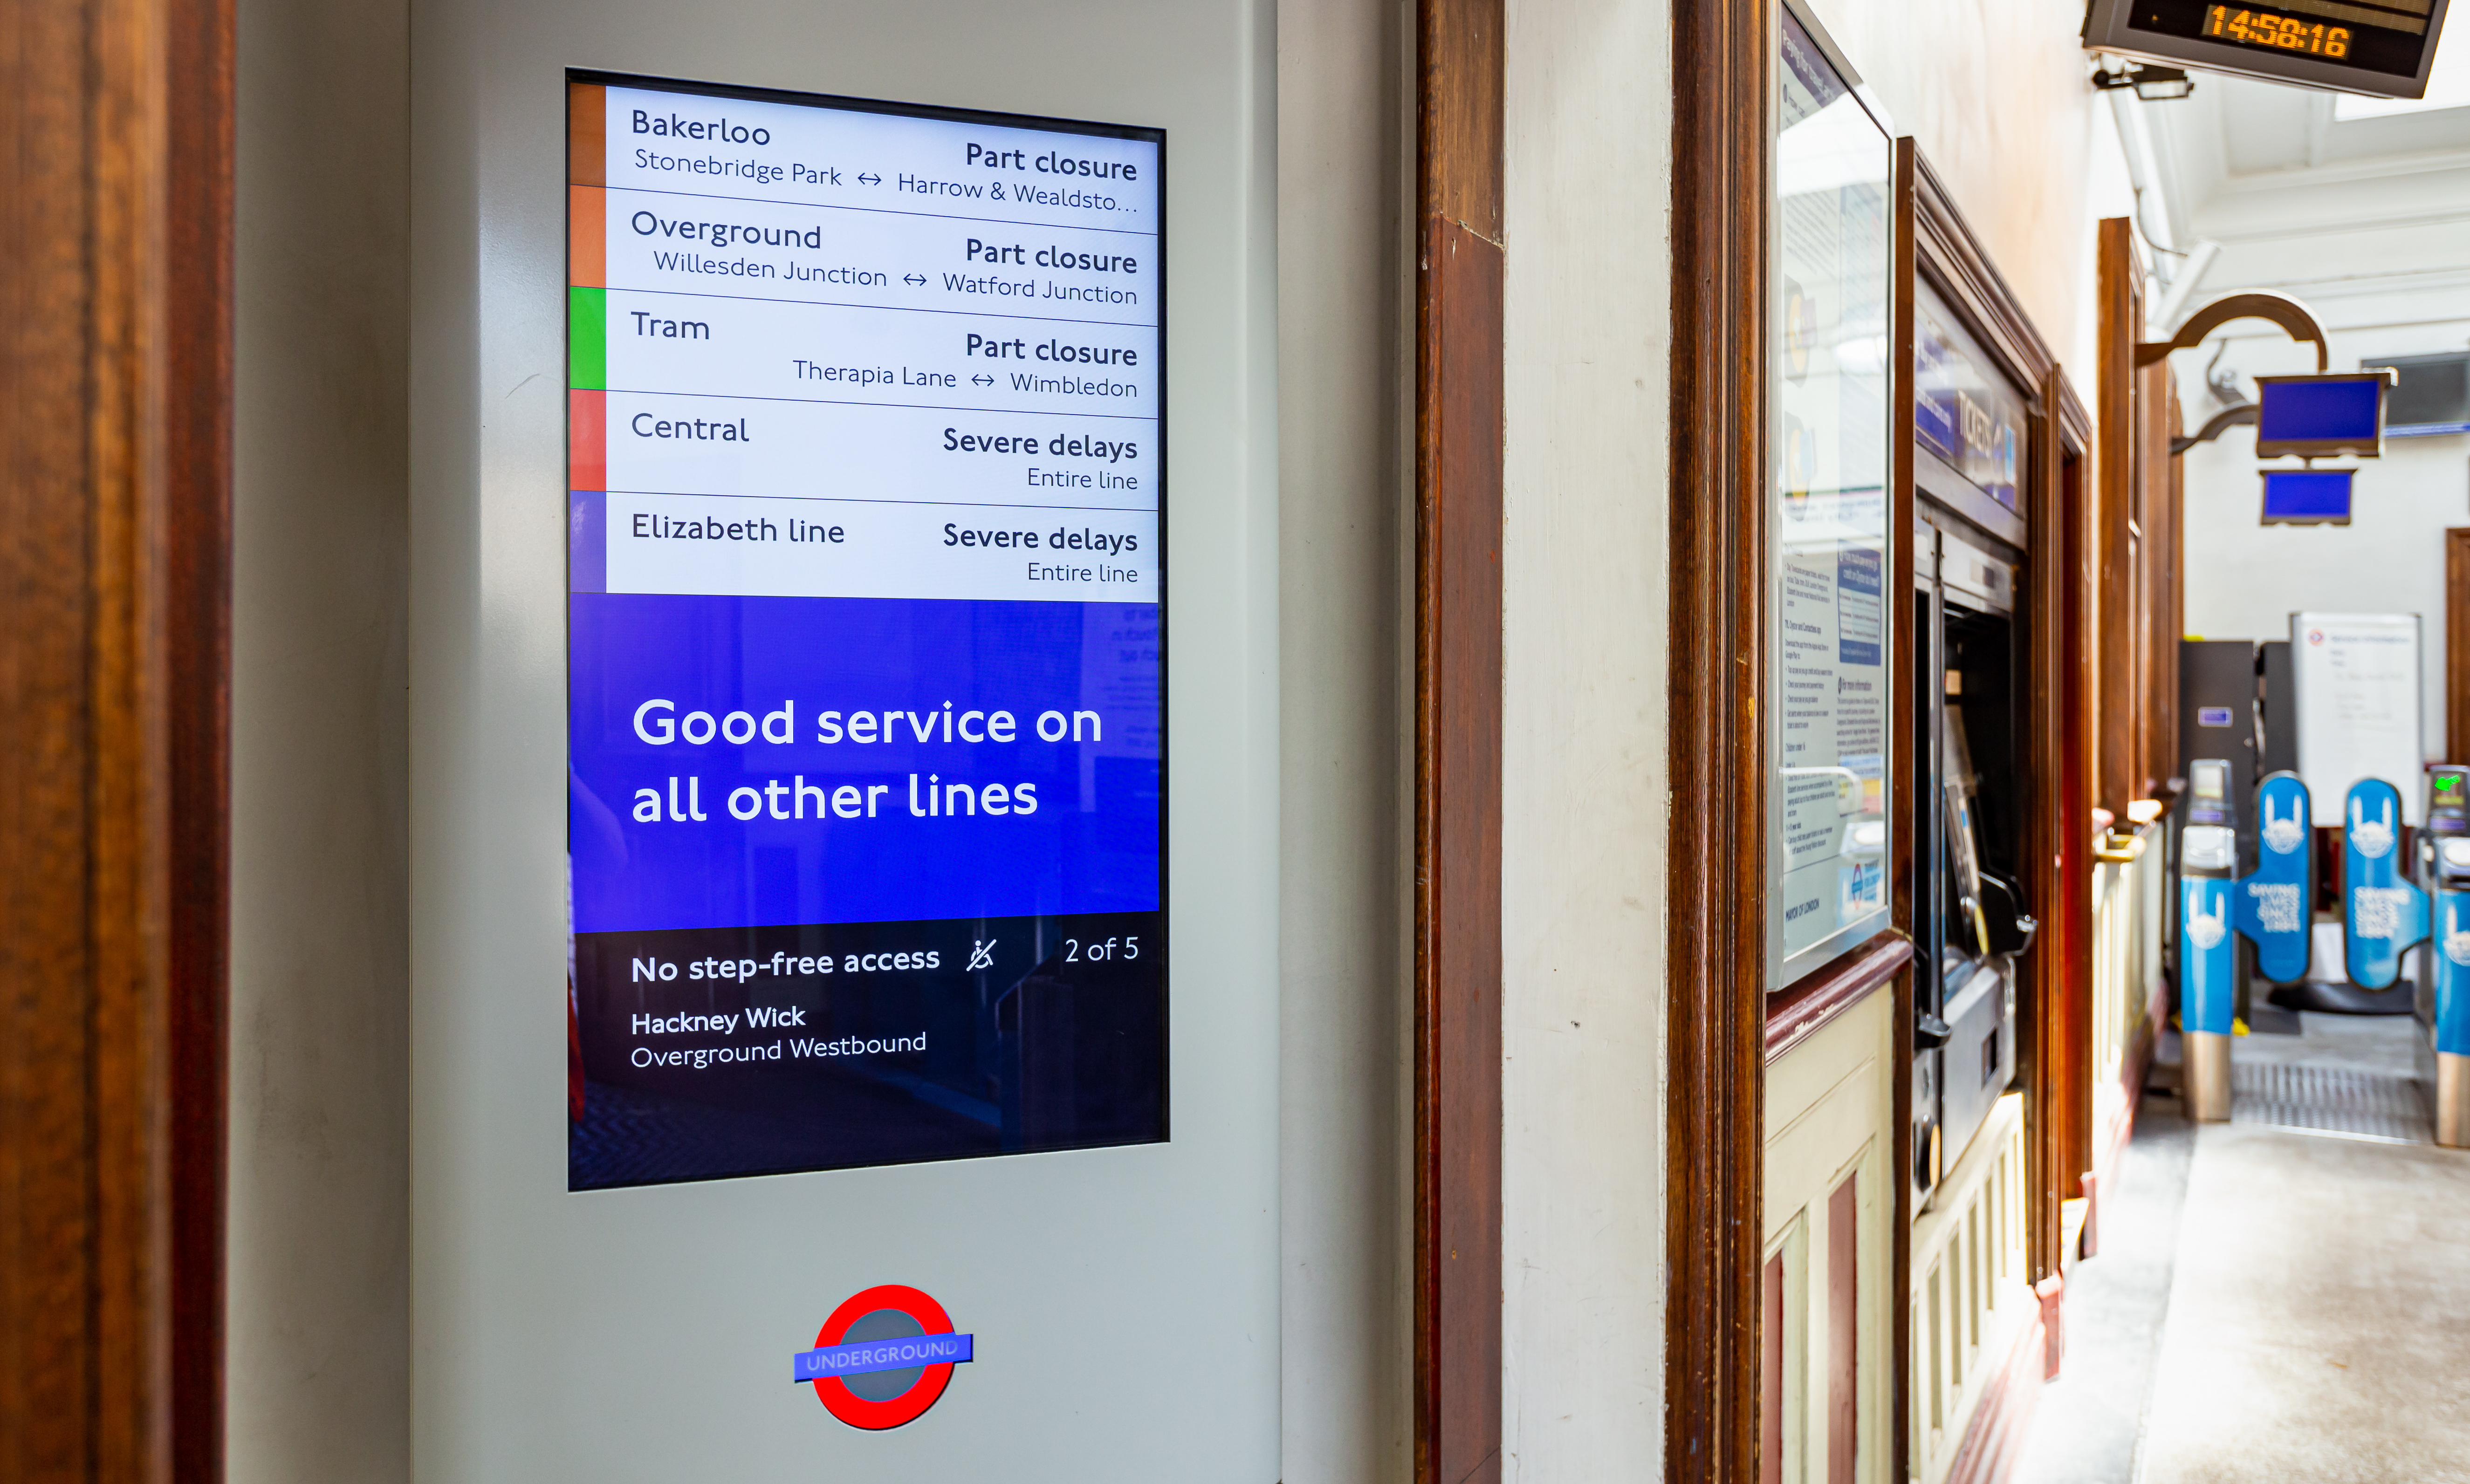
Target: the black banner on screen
pixel 711 1052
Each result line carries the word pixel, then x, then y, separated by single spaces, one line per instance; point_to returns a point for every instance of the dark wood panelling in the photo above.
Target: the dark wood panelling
pixel 1716 884
pixel 114 425
pixel 2152 699
pixel 1901 799
pixel 2456 643
pixel 1796 1013
pixel 2164 523
pixel 1458 744
pixel 2120 316
pixel 197 542
pixel 2058 972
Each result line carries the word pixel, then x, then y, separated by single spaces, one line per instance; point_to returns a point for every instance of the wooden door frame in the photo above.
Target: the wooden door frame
pixel 115 398
pixel 1715 945
pixel 2456 642
pixel 1457 587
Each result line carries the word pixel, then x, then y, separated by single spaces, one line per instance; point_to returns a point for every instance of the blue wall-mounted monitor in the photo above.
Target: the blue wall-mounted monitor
pixel 2307 496
pixel 2319 416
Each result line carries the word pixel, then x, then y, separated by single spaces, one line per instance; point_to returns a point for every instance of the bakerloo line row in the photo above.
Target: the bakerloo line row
pixel 2395 900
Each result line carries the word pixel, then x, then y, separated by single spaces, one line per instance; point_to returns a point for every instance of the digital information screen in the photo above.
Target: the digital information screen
pixel 2307 496
pixel 866 657
pixel 2319 416
pixel 2382 48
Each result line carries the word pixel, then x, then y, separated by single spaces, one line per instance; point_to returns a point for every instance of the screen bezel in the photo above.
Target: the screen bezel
pixel 2108 29
pixel 572 76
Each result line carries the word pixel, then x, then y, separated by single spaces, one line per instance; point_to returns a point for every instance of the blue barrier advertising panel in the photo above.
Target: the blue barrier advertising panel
pixel 2450 963
pixel 2207 1003
pixel 2209 949
pixel 866 656
pixel 2273 905
pixel 2383 914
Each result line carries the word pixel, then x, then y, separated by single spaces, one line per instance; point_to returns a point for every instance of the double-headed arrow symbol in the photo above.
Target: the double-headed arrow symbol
pixel 871 178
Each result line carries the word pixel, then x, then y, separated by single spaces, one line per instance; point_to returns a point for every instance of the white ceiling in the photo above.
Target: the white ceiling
pixel 2366 219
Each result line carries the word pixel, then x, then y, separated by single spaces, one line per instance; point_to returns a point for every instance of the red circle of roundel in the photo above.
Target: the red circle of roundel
pixel 911 1404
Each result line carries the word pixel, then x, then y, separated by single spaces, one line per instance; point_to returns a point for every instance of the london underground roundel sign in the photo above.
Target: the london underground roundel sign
pixel 883 1358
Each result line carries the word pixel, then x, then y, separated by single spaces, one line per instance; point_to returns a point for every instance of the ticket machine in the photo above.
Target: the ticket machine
pixel 2443 989
pixel 1970 918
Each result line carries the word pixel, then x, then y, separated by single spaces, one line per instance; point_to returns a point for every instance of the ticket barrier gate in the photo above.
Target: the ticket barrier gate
pixel 2217 905
pixel 2443 999
pixel 2384 916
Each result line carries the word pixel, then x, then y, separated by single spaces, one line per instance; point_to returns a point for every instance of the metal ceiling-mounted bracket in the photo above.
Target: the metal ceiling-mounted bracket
pixel 2280 308
pixel 2220 423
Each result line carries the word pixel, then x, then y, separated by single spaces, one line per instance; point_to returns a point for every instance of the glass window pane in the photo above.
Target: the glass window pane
pixel 1828 537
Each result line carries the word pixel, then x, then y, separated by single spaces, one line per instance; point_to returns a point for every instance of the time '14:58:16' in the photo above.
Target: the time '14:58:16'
pixel 2281 33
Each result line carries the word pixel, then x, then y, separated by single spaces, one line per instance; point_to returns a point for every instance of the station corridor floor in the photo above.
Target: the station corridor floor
pixel 2273 1303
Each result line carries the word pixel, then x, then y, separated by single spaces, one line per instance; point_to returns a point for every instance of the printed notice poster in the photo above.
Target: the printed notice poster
pixel 2358 677
pixel 1828 689
pixel 866 658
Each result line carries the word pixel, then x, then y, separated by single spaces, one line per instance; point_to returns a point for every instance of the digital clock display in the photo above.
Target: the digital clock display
pixel 2381 47
pixel 2284 32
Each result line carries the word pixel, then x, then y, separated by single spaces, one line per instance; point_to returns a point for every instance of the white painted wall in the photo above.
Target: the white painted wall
pixel 319 1354
pixel 319 1360
pixel 1995 93
pixel 1584 803
pixel 2245 579
pixel 1345 892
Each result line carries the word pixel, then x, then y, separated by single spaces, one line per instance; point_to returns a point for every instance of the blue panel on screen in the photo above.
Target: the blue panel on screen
pixel 2310 495
pixel 2300 412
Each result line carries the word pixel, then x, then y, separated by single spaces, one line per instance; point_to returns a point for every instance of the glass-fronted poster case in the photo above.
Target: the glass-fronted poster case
pixel 1830 610
pixel 866 664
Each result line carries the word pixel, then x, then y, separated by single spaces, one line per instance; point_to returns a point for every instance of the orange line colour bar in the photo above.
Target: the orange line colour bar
pixel 586 237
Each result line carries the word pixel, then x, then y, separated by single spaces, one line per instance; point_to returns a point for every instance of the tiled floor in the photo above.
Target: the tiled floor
pixel 2270 1303
pixel 2085 1427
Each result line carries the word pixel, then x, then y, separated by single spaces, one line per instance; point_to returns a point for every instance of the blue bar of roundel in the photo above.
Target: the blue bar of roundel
pixel 861 1358
pixel 2382 915
pixel 2207 950
pixel 2274 907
